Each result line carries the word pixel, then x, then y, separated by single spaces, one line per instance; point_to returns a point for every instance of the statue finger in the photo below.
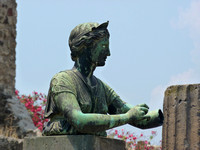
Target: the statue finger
pixel 144 109
pixel 143 118
pixel 144 105
pixel 142 113
pixel 148 117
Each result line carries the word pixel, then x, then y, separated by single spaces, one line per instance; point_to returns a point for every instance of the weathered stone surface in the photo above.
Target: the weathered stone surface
pixel 72 142
pixel 8 19
pixel 8 143
pixel 181 128
pixel 15 121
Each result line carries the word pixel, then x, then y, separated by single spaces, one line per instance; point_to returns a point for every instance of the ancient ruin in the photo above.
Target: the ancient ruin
pixel 181 128
pixel 8 20
pixel 15 121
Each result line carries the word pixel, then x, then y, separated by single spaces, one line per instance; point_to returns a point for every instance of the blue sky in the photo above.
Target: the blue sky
pixel 154 44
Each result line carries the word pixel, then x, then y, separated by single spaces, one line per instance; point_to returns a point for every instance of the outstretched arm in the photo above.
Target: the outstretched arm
pixel 117 106
pixel 155 117
pixel 88 122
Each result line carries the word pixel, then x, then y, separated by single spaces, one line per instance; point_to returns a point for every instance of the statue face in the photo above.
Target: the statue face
pixel 100 51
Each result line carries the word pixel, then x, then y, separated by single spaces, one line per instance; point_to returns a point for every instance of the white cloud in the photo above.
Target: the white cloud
pixel 188 19
pixel 157 95
pixel 188 77
pixel 192 76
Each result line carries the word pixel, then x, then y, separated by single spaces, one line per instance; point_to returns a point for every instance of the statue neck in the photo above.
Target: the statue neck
pixel 85 67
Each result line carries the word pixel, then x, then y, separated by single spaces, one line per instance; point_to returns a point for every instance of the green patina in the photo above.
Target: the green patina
pixel 80 103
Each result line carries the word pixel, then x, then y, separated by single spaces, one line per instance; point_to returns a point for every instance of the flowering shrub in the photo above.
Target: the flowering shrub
pixel 133 141
pixel 35 104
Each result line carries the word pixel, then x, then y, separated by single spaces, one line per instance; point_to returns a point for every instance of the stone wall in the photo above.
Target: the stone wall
pixel 181 128
pixel 8 19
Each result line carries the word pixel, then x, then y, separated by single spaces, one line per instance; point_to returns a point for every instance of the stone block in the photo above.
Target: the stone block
pixel 15 121
pixel 8 143
pixel 181 128
pixel 72 142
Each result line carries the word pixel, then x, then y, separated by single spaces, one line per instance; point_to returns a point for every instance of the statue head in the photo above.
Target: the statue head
pixel 86 36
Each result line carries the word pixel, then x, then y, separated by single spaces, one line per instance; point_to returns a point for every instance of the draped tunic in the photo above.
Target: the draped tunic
pixel 100 99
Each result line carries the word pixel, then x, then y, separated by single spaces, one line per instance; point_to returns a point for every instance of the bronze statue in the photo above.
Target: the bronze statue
pixel 80 103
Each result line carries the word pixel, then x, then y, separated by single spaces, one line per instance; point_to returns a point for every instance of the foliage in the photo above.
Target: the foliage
pixel 35 104
pixel 137 142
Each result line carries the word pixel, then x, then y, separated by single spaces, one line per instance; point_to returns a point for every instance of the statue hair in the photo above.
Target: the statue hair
pixel 84 36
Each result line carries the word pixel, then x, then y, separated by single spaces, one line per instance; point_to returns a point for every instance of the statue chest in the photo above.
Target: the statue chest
pixel 92 99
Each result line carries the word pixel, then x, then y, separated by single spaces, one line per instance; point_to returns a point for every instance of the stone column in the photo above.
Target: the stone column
pixel 15 121
pixel 181 128
pixel 8 19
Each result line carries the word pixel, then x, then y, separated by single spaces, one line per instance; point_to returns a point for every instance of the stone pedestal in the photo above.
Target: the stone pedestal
pixel 181 128
pixel 72 142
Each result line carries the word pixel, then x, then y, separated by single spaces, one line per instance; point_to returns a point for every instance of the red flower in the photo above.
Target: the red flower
pixel 34 107
pixel 131 135
pixel 16 92
pixel 36 93
pixel 153 132
pixel 40 128
pixel 26 105
pixel 39 108
pixel 116 132
pixel 134 138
